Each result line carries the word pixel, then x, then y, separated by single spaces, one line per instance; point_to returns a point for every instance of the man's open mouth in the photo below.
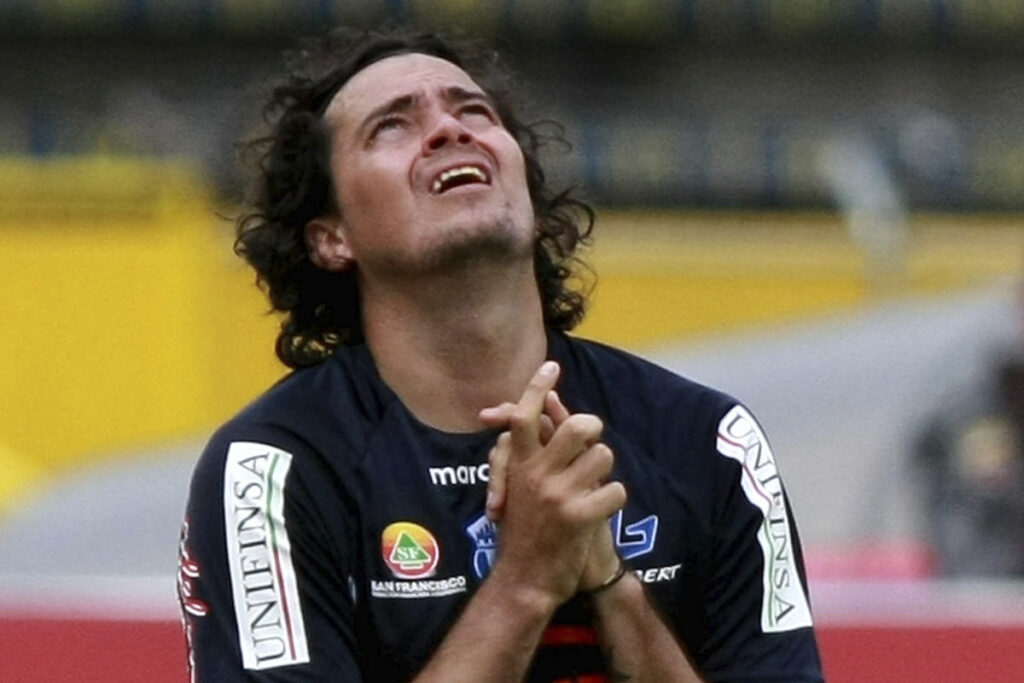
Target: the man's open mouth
pixel 458 176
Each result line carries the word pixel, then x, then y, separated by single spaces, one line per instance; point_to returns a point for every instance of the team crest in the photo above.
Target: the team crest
pixel 484 534
pixel 410 551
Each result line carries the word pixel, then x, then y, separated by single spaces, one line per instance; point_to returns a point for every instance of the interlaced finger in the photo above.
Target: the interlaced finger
pixel 496 478
pixel 575 435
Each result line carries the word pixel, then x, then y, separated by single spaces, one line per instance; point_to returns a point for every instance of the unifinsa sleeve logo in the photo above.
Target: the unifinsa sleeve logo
pixel 783 606
pixel 271 632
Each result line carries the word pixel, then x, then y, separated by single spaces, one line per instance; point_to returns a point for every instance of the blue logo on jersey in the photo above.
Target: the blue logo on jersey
pixel 637 538
pixel 631 541
pixel 484 534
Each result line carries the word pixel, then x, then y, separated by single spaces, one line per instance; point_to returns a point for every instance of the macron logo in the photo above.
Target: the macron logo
pixel 459 475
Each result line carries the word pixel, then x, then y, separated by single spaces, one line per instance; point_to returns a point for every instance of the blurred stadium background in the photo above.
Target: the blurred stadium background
pixel 812 204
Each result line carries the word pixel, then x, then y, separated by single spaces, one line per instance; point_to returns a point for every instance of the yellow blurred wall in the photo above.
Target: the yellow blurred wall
pixel 666 276
pixel 126 318
pixel 128 321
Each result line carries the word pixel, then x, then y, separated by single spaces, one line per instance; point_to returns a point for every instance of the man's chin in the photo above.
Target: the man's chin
pixel 469 246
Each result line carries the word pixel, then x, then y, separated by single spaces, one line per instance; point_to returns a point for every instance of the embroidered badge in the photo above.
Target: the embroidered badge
pixel 484 534
pixel 410 551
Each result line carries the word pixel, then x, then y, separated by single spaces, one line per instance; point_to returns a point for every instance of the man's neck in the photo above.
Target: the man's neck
pixel 454 345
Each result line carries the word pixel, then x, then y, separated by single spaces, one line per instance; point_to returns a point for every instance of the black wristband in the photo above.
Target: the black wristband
pixel 611 580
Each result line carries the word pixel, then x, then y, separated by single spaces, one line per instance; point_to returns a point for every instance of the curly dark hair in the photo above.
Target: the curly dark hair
pixel 293 186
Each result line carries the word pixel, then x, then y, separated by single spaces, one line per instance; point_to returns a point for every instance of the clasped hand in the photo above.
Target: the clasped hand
pixel 547 491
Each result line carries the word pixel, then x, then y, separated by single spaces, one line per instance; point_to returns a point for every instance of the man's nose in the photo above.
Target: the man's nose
pixel 448 130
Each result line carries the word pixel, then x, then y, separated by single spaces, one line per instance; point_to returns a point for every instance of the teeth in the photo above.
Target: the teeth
pixel 474 171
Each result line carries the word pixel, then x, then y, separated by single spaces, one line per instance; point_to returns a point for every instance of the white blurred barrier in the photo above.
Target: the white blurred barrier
pixel 842 398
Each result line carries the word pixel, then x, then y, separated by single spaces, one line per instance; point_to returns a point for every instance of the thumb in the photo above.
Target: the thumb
pixel 497 416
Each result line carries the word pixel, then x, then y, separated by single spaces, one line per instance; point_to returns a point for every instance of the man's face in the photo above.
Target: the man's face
pixel 425 173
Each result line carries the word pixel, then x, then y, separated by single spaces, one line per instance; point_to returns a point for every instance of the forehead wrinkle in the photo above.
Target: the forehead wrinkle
pixel 401 103
pixel 333 113
pixel 455 94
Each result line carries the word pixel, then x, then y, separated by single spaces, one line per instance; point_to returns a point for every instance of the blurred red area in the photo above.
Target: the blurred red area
pixel 77 650
pixel 40 650
pixel 920 654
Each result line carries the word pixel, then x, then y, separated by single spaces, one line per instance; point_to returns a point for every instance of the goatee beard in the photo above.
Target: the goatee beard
pixel 467 247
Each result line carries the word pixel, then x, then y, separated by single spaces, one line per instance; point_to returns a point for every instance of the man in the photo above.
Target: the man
pixel 337 529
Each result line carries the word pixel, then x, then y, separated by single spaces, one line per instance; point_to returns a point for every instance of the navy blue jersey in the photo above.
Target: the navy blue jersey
pixel 331 536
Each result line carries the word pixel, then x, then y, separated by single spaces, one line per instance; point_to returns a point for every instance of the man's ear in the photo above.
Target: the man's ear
pixel 327 245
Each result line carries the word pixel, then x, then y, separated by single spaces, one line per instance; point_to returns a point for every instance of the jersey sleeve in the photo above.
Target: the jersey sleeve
pixel 758 614
pixel 265 583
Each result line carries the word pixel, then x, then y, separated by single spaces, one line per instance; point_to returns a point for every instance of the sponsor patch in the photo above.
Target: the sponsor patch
pixel 271 631
pixel 783 606
pixel 425 588
pixel 631 540
pixel 636 539
pixel 410 551
pixel 658 574
pixel 484 534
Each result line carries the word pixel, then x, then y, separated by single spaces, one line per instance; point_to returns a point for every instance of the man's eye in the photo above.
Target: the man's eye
pixel 388 124
pixel 478 110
